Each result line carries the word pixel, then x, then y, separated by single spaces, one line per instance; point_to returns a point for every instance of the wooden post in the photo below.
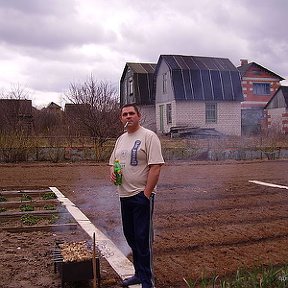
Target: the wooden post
pixel 94 263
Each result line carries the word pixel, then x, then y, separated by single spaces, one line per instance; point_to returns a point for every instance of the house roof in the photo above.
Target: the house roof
pixel 284 90
pixel 139 68
pixel 53 105
pixel 244 68
pixel 203 78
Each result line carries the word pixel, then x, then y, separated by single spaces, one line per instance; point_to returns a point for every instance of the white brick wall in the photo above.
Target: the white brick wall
pixel 275 119
pixel 192 113
pixel 148 117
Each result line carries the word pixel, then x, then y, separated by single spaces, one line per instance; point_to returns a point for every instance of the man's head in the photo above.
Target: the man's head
pixel 130 117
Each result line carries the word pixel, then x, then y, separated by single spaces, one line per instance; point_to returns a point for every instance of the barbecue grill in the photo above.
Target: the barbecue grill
pixel 74 262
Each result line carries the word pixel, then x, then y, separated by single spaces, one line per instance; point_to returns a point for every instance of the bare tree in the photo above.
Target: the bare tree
pixel 94 110
pixel 16 92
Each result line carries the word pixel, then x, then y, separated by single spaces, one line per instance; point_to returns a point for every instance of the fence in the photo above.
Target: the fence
pixel 57 149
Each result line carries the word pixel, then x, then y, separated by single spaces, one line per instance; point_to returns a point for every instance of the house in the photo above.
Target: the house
pixel 16 115
pixel 277 111
pixel 197 93
pixel 137 86
pixel 259 85
pixel 53 107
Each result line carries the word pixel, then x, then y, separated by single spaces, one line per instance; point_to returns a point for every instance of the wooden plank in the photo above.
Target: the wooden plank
pixel 43 213
pixel 52 227
pixel 15 193
pixel 35 203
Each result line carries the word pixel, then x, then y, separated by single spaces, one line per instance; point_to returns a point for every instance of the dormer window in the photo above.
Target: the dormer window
pixel 164 83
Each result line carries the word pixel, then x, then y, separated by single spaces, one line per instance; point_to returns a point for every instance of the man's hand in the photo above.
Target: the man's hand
pixel 112 174
pixel 153 176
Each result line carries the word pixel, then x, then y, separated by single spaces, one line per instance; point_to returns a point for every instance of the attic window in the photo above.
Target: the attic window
pixel 130 86
pixel 164 90
pixel 261 88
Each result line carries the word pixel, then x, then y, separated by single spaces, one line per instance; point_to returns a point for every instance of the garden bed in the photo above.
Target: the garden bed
pixel 33 210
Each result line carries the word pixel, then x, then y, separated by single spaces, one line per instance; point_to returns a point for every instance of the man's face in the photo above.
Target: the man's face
pixel 130 116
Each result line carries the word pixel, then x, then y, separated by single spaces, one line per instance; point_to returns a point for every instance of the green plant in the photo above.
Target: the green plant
pixel 49 195
pixel 50 207
pixel 25 197
pixel 26 207
pixel 53 219
pixel 260 277
pixel 2 198
pixel 30 219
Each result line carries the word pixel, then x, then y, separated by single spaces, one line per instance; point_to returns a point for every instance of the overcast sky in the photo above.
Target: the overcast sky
pixel 47 44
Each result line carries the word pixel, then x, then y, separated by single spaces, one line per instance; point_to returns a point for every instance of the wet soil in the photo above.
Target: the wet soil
pixel 208 220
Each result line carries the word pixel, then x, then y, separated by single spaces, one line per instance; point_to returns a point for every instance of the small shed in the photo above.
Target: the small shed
pixel 276 111
pixel 137 86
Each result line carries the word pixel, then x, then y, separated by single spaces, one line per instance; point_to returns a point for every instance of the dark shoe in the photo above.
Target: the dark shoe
pixel 131 281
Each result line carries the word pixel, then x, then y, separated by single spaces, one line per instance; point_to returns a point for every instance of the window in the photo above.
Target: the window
pixel 164 83
pixel 130 86
pixel 261 88
pixel 211 112
pixel 169 113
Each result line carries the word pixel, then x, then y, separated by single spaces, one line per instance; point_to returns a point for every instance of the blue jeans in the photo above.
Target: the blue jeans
pixel 137 214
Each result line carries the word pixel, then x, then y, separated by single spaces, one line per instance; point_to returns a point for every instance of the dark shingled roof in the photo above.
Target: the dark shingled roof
pixel 143 76
pixel 203 78
pixel 244 68
pixel 139 68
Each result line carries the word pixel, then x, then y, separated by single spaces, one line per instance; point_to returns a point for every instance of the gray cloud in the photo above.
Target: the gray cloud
pixel 48 44
pixel 47 24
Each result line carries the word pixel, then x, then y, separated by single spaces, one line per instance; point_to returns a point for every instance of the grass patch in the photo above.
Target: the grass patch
pixel 25 197
pixel 2 198
pixel 260 277
pixel 2 209
pixel 49 207
pixel 53 219
pixel 26 207
pixel 30 219
pixel 49 195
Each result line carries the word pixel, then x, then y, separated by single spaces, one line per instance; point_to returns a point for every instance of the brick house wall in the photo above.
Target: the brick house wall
pixel 285 122
pixel 277 119
pixel 256 74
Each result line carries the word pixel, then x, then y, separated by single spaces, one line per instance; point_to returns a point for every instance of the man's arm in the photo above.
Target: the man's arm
pixel 153 176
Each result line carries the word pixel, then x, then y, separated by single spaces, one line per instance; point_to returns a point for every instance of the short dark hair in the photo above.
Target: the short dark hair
pixel 131 105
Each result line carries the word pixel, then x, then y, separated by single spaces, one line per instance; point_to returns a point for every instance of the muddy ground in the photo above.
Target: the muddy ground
pixel 209 220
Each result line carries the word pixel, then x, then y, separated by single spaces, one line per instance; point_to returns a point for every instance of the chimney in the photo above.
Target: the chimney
pixel 244 62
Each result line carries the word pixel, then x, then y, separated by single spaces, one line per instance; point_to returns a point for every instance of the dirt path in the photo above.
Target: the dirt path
pixel 208 218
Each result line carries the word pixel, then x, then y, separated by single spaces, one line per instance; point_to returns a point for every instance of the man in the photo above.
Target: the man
pixel 139 152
